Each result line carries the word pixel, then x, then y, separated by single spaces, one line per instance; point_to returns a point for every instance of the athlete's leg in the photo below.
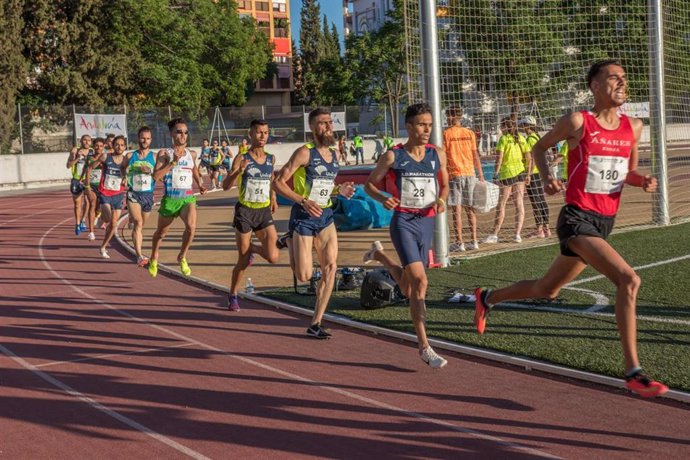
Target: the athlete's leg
pixel 93 204
pixel 415 277
pixel 518 193
pixel 302 261
pixel 472 218
pixel 267 249
pixel 457 222
pixel 503 196
pixel 136 217
pixel 106 212
pixel 77 200
pixel 395 269
pixel 603 258
pixel 164 224
pixel 112 226
pixel 243 241
pixel 188 216
pixel 326 244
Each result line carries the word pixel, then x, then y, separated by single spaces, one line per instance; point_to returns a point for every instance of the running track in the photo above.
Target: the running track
pixel 99 360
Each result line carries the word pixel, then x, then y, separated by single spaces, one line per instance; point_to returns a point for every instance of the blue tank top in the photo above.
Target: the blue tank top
pixel 138 180
pixel 255 182
pixel 415 182
pixel 204 154
pixel 316 180
pixel 179 179
pixel 227 159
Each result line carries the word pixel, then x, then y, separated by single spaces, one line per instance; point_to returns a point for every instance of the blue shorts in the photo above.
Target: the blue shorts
pixel 143 199
pixel 115 201
pixel 306 225
pixel 411 235
pixel 76 188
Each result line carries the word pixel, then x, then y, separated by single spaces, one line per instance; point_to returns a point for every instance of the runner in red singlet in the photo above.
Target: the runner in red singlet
pixel 603 156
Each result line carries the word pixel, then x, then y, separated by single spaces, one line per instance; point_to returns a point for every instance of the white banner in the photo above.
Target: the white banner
pixel 338 121
pixel 99 125
pixel 636 109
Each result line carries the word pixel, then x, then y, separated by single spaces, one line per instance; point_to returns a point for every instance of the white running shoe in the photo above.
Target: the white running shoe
pixel 369 255
pixel 472 246
pixel 456 247
pixel 104 253
pixel 517 239
pixel 91 236
pixel 491 239
pixel 430 357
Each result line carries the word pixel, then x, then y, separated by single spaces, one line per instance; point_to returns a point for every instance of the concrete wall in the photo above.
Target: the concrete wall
pixel 44 169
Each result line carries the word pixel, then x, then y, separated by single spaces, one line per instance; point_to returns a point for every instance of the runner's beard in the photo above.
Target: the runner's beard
pixel 326 138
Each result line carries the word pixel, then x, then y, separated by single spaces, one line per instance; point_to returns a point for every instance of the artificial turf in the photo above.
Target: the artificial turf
pixel 580 341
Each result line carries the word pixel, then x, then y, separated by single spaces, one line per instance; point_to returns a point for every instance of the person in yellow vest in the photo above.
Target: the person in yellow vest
pixel 215 160
pixel 509 174
pixel 533 183
pixel 76 162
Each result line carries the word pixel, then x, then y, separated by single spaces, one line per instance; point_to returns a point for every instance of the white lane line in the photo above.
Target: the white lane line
pixel 601 300
pixel 96 405
pixel 640 267
pixel 275 370
pixel 110 355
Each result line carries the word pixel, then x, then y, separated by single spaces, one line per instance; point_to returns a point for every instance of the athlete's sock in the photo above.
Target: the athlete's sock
pixel 632 372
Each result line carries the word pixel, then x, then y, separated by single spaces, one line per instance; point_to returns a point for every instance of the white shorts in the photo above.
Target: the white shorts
pixel 461 190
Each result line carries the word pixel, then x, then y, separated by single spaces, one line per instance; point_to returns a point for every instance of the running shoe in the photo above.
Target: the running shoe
pixel 491 239
pixel 233 303
pixel 430 357
pixel 644 386
pixel 282 240
pixel 142 261
pixel 481 309
pixel 369 255
pixel 153 268
pixel 82 226
pixel 91 236
pixel 472 246
pixel 103 226
pixel 104 253
pixel 77 229
pixel 536 234
pixel 457 247
pixel 184 267
pixel 316 331
pixel 547 232
pixel 517 239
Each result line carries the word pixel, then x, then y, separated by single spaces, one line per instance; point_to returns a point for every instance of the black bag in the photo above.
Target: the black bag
pixel 379 290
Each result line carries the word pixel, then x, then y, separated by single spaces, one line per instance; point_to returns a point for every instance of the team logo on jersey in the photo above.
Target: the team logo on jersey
pixel 321 169
pixel 253 171
pixel 404 163
pixel 433 163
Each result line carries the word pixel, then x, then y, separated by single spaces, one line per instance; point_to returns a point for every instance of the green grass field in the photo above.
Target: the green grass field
pixel 574 338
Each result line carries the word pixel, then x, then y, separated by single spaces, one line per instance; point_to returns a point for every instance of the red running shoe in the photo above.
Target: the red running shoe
pixel 481 309
pixel 644 386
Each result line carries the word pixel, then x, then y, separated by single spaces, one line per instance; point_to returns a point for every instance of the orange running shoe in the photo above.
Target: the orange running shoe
pixel 644 386
pixel 481 309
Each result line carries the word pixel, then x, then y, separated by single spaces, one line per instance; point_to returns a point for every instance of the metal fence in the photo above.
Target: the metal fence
pixel 51 128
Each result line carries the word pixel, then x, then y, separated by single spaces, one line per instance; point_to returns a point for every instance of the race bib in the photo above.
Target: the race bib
pixel 96 175
pixel 257 190
pixel 182 178
pixel 321 191
pixel 113 183
pixel 142 182
pixel 418 192
pixel 606 174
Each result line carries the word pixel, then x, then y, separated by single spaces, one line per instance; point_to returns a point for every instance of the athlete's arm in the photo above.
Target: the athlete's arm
pixel 239 164
pixel 298 159
pixel 89 169
pixel 377 175
pixel 73 157
pixel 475 158
pixel 274 198
pixel 647 182
pixel 196 176
pixel 568 128
pixel 527 153
pixel 443 188
pixel 163 165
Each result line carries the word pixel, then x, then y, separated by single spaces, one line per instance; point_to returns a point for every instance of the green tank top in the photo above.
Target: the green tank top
pixel 513 159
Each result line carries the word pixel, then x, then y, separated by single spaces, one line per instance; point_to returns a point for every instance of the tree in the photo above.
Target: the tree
pixel 311 51
pixel 377 62
pixel 12 68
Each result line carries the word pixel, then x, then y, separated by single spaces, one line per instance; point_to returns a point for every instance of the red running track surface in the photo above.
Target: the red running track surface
pixel 99 360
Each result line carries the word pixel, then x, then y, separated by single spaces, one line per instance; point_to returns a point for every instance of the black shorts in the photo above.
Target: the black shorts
pixel 511 180
pixel 213 168
pixel 248 220
pixel 143 199
pixel 573 221
pixel 76 188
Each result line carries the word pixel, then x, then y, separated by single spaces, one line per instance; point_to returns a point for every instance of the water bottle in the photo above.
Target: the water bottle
pixel 249 289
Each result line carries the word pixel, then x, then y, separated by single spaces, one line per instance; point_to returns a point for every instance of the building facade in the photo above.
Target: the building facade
pixel 361 16
pixel 273 18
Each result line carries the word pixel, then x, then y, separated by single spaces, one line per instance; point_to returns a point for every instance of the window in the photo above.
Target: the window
pixel 244 4
pixel 265 27
pixel 279 7
pixel 261 6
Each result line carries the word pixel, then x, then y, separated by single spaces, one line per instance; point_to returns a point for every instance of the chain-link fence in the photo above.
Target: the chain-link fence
pixel 51 128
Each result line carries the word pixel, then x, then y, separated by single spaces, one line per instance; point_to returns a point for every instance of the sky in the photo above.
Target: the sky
pixel 333 9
